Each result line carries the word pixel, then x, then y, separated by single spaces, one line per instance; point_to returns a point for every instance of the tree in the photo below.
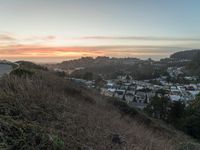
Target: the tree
pixel 177 110
pixel 191 124
pixel 158 107
pixel 162 108
pixel 191 120
pixel 88 76
pixel 162 92
pixel 99 82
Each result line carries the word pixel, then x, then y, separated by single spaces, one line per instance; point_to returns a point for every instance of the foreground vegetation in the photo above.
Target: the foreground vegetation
pixel 177 114
pixel 40 110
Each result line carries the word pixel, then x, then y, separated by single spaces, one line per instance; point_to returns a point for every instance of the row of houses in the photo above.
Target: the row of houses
pixel 141 92
pixel 129 90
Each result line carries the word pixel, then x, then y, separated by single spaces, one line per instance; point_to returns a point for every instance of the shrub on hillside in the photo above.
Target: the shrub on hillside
pixel 22 72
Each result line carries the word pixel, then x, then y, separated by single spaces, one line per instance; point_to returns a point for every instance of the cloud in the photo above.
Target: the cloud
pixel 39 38
pixel 4 37
pixel 12 38
pixel 145 38
pixel 37 51
pixel 42 51
pixel 15 46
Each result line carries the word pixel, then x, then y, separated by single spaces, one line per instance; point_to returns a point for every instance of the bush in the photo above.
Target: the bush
pixel 21 135
pixel 124 107
pixel 22 72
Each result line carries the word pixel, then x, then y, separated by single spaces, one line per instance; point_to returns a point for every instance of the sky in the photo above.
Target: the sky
pixel 56 30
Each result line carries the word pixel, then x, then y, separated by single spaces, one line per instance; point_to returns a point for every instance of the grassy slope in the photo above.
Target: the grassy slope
pixel 42 111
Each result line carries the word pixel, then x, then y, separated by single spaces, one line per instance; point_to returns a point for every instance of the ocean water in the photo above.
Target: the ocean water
pixel 5 69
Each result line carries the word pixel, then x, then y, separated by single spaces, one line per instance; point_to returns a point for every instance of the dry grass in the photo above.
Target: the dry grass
pixel 81 118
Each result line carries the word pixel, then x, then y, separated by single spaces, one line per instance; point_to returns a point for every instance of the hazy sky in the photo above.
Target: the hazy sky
pixel 52 30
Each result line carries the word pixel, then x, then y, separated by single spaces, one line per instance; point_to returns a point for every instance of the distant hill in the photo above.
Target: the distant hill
pixel 187 54
pixel 193 68
pixel 110 67
pixel 95 62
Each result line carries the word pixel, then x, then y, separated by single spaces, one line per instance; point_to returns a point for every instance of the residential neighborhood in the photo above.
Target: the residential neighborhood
pixel 139 93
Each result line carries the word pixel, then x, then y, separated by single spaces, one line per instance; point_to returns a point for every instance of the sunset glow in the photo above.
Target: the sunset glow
pixel 52 31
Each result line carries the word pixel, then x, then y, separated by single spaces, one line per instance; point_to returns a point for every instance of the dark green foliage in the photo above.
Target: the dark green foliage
pixel 116 74
pixel 188 146
pixel 162 108
pixel 158 107
pixel 191 119
pixel 144 90
pixel 162 92
pixel 17 135
pixel 124 107
pixel 100 82
pixel 192 124
pixel 26 69
pixel 184 118
pixel 131 111
pixel 58 143
pixel 30 65
pixel 14 65
pixel 60 73
pixel 72 90
pixel 88 76
pixel 22 72
pixel 177 111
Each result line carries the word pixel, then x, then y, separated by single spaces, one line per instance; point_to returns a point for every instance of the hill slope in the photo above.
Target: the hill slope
pixel 89 62
pixel 43 111
pixel 187 54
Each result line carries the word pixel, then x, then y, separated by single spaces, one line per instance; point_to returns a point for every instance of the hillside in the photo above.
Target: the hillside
pixel 95 62
pixel 187 54
pixel 193 68
pixel 110 68
pixel 138 71
pixel 40 110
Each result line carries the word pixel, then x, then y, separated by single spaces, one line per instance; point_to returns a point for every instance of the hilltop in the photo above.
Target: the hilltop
pixel 192 56
pixel 187 54
pixel 41 110
pixel 109 67
pixel 95 62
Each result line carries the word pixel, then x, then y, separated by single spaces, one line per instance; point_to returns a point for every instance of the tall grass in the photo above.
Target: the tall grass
pixel 81 118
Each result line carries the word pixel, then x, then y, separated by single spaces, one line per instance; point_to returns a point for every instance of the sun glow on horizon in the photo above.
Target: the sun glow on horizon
pixel 67 29
pixel 53 47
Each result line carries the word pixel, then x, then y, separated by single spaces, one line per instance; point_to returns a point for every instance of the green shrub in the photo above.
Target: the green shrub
pixel 58 143
pixel 124 107
pixel 22 72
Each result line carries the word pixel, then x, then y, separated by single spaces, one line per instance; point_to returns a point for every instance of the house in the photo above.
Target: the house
pixel 141 97
pixel 107 92
pixel 129 97
pixel 119 93
pixel 125 78
pixel 174 97
pixel 109 84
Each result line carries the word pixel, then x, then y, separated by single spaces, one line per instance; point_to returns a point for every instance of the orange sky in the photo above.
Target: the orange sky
pixel 57 54
pixel 57 30
pixel 55 49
